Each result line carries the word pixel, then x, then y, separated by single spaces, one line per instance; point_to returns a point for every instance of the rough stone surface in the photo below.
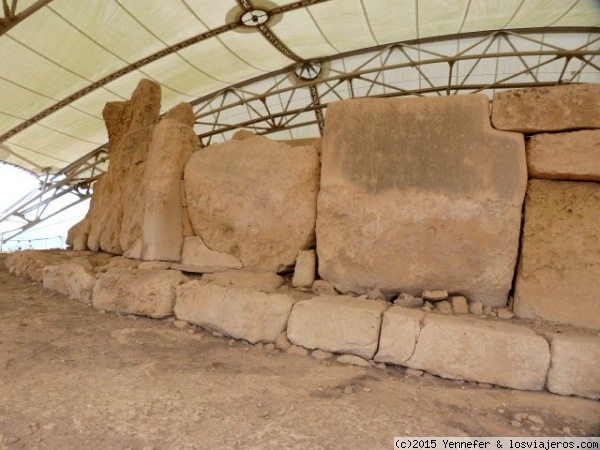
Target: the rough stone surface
pixel 117 207
pixel 196 253
pixel 320 355
pixel 541 109
pixel 266 282
pixel 408 301
pixel 460 305
pixel 305 269
pixel 162 233
pixel 142 292
pixel 434 296
pixel 322 287
pixel 558 276
pixel 70 279
pixel 182 113
pixel 476 308
pixel 338 324
pixel 237 312
pixel 565 156
pixel 282 342
pixel 575 368
pixel 445 307
pixel 469 348
pixel 254 199
pixel 397 206
pixel 353 360
pixel 154 265
pixel 400 329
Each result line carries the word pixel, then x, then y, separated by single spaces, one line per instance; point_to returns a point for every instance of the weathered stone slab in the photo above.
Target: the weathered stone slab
pixel 540 109
pixel 405 210
pixel 162 233
pixel 70 279
pixel 468 348
pixel 254 199
pixel 236 312
pixel 305 269
pixel 266 281
pixel 117 207
pixel 339 324
pixel 558 277
pixel 142 292
pixel 575 368
pixel 196 253
pixel 30 263
pixel 399 332
pixel 565 156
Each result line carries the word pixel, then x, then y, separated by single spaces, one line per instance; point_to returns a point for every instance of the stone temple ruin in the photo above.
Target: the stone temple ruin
pixel 419 232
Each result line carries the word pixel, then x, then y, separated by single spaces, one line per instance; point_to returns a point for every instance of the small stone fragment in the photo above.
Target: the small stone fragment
pixel 375 294
pixel 408 301
pixel 535 419
pixel 322 287
pixel 520 417
pixel 353 360
pixel 414 372
pixel 484 385
pixel 217 334
pixel 460 305
pixel 444 307
pixel 305 269
pixel 381 366
pixel 348 390
pixel 269 347
pixel 321 355
pixel 434 296
pixel 476 308
pixel 181 324
pixel 504 313
pixel 535 428
pixel 282 342
pixel 297 350
pixel 427 307
pixel 515 423
pixel 259 345
pixel 488 310
pixel 566 430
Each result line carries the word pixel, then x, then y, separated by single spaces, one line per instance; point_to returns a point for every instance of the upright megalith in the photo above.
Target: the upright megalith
pixel 173 142
pixel 558 277
pixel 116 212
pixel 254 199
pixel 427 196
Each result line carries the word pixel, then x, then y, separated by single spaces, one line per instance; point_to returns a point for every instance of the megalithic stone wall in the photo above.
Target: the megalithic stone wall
pixel 420 193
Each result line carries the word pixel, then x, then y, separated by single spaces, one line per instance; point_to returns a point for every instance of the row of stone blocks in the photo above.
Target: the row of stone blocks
pixel 457 347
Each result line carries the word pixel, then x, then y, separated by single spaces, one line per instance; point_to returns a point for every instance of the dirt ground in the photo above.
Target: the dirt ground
pixel 72 377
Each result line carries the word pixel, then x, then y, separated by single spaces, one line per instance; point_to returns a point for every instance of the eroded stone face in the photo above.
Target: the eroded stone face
pixel 558 277
pixel 254 199
pixel 541 109
pixel 427 196
pixel 565 156
pixel 469 348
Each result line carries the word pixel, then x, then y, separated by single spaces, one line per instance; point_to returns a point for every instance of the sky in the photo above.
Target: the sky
pixel 15 184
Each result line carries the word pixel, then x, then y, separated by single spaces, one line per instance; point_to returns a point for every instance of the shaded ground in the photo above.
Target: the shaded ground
pixel 73 378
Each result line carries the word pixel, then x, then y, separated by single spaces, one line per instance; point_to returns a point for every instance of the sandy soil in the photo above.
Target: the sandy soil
pixel 74 378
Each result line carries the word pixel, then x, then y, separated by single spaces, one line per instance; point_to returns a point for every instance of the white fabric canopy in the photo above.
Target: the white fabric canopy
pixel 67 58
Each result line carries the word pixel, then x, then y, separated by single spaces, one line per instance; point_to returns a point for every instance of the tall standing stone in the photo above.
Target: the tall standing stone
pixel 427 196
pixel 172 144
pixel 558 277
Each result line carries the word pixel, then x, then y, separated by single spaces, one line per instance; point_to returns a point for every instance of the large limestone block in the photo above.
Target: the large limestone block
pixel 30 263
pixel 236 312
pixel 565 156
pixel 196 253
pixel 117 207
pixel 467 348
pixel 399 332
pixel 254 199
pixel 541 109
pixel 72 280
pixel 142 292
pixel 162 233
pixel 558 277
pixel 427 196
pixel 266 281
pixel 575 368
pixel 338 324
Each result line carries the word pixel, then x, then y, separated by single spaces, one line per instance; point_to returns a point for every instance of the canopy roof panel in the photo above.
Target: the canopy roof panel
pixel 269 65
